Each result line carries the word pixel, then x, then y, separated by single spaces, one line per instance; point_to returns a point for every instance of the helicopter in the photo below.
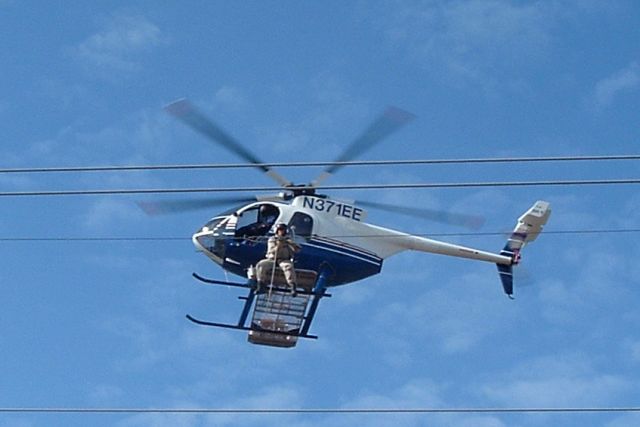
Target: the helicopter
pixel 337 245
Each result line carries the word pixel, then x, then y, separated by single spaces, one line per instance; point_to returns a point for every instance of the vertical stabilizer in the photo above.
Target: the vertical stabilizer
pixel 529 226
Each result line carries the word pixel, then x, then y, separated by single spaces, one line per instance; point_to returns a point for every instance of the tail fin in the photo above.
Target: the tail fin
pixel 529 225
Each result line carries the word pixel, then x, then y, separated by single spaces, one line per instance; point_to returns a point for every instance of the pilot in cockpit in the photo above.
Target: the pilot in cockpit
pixel 267 215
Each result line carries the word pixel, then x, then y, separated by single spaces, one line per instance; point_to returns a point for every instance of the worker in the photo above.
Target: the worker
pixel 281 249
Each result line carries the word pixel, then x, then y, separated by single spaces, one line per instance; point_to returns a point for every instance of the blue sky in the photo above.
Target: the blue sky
pixel 101 324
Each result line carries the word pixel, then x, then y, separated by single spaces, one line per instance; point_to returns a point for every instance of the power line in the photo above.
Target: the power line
pixel 624 181
pixel 52 410
pixel 93 239
pixel 115 168
pixel 176 238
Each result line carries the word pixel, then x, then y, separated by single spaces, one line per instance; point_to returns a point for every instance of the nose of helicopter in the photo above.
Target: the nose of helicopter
pixel 210 243
pixel 210 239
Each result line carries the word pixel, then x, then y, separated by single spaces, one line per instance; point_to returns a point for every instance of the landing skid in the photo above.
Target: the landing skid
pixel 253 285
pixel 278 317
pixel 244 328
pixel 220 282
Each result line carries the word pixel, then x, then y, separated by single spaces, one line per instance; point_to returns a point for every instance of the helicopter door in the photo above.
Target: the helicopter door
pixel 301 225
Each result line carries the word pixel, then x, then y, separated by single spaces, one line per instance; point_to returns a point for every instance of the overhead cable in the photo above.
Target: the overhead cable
pixel 324 187
pixel 238 411
pixel 125 168
pixel 185 238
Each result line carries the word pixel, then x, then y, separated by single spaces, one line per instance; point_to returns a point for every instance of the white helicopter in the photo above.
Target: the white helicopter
pixel 337 245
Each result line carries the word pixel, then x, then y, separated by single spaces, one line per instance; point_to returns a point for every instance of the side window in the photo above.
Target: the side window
pixel 301 225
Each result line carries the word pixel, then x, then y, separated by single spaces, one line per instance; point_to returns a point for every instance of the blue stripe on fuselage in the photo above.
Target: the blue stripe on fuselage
pixel 348 265
pixel 342 248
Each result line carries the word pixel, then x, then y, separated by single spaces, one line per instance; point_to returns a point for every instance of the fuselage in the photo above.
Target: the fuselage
pixel 323 228
pixel 334 237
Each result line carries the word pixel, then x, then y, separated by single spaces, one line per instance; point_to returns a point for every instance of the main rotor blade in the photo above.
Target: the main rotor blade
pixel 391 120
pixel 188 114
pixel 162 207
pixel 473 222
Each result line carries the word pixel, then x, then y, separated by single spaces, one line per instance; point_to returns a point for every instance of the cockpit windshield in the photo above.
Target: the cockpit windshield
pixel 257 220
pixel 213 223
pixel 216 220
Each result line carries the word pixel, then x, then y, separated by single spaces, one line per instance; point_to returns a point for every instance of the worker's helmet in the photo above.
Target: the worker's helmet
pixel 281 226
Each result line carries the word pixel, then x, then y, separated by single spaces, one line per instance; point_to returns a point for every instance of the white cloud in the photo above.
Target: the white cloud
pixel 267 397
pixel 629 420
pixel 119 44
pixel 549 392
pixel 229 97
pixel 415 394
pixel 471 40
pixel 567 380
pixel 624 80
pixel 355 295
pixel 16 182
pixel 141 137
pixel 106 395
pixel 17 423
pixel 496 45
pixel 325 130
pixel 161 420
pixel 104 213
pixel 634 349
pixel 459 315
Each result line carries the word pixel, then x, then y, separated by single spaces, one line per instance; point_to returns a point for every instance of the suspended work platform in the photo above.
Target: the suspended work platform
pixel 278 316
pixel 278 312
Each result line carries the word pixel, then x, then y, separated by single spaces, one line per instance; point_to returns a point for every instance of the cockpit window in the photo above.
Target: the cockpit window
pixel 301 225
pixel 257 221
pixel 215 222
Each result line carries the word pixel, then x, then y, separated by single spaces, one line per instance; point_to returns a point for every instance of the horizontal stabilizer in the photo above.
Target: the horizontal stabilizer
pixel 529 226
